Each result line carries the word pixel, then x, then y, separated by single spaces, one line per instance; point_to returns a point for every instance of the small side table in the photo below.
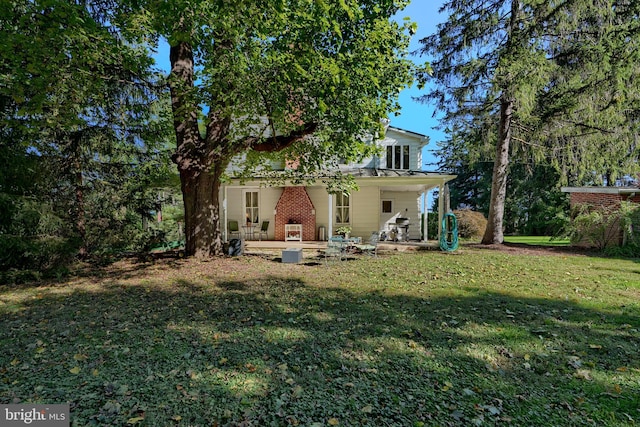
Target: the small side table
pixel 293 232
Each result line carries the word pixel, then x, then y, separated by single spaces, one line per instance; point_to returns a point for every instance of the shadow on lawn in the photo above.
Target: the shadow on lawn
pixel 275 351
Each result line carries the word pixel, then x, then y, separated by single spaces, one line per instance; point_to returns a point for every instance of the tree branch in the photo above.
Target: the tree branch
pixel 280 142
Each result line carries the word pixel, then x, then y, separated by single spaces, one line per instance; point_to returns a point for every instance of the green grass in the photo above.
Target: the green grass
pixel 475 337
pixel 537 240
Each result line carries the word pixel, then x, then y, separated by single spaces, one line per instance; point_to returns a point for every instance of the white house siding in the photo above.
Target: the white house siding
pixel 394 137
pixel 406 204
pixel 320 199
pixel 365 212
pixel 267 199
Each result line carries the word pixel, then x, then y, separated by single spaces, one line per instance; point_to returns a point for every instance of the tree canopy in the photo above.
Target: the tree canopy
pixel 304 78
pixel 81 112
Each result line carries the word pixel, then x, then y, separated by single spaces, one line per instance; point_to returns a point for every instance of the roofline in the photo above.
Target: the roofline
pixel 397 129
pixel 601 190
pixel 424 139
pixel 417 179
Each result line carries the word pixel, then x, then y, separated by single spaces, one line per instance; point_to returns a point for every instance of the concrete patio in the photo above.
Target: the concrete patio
pixel 309 246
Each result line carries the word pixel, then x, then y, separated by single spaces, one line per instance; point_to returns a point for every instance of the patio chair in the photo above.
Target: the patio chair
pixel 335 249
pixel 234 228
pixel 372 247
pixel 263 230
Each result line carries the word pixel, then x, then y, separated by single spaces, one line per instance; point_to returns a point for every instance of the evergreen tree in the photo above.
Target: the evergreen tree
pixel 549 73
pixel 81 105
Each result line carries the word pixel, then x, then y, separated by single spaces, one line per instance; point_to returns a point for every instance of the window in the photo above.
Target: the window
pixel 342 208
pixel 397 157
pixel 387 206
pixel 251 206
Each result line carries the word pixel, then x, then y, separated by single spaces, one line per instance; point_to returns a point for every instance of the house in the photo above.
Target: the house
pixel 390 186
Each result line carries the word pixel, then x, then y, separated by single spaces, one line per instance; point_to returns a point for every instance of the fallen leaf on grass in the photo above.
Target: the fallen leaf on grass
pixel 80 357
pixel 333 421
pixel 75 370
pixel 595 346
pixel 583 374
pixel 367 409
pixel 134 420
pixel 297 391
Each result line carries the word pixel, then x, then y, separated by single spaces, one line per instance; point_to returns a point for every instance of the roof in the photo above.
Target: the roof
pixel 601 190
pixel 407 131
pixel 390 173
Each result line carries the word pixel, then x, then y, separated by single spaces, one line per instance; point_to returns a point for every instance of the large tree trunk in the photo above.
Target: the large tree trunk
pixel 494 231
pixel 194 158
pixel 201 160
pixel 200 192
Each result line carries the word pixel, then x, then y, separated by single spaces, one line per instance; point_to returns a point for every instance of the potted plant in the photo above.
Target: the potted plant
pixel 344 231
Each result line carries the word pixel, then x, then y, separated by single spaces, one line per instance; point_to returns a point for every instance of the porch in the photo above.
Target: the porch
pixel 311 245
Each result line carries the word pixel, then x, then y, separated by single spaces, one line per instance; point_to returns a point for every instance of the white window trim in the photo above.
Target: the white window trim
pixel 244 203
pixel 401 160
pixel 338 207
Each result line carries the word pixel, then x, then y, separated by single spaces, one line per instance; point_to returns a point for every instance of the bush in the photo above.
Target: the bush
pixel 471 224
pixel 20 257
pixel 606 227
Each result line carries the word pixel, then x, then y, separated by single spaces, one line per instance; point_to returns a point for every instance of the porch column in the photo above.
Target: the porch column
pixel 441 203
pixel 425 216
pixel 330 221
pixel 224 213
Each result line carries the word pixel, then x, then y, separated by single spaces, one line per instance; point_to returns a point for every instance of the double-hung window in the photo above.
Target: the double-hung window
pixel 251 207
pixel 342 208
pixel 397 157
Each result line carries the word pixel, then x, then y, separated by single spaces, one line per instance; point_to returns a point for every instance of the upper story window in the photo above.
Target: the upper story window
pixel 398 157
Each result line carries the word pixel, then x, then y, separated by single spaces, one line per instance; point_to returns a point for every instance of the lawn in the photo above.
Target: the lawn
pixel 474 337
pixel 537 240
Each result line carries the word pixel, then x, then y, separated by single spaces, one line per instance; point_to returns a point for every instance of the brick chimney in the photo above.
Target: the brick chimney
pixel 295 207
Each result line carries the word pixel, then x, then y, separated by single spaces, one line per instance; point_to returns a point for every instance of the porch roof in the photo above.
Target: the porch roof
pixel 386 179
pixel 399 180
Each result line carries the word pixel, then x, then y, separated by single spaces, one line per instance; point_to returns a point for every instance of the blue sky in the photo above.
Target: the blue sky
pixel 414 116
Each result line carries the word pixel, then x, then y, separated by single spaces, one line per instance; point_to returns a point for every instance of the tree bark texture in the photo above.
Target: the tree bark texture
pixel 494 232
pixel 200 190
pixel 195 161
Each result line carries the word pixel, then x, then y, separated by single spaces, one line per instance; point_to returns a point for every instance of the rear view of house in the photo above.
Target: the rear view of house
pixel 390 200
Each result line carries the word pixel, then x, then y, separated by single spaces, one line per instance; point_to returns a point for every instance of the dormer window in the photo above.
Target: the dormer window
pixel 398 157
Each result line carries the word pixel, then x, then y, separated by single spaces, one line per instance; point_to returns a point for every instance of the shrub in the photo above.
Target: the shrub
pixel 471 224
pixel 22 258
pixel 604 227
